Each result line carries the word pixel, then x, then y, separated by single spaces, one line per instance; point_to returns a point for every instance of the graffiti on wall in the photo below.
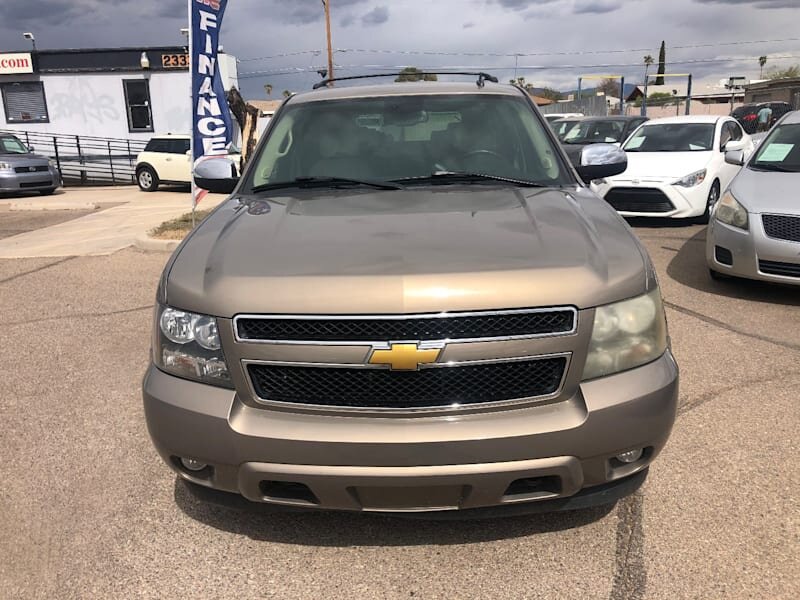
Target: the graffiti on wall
pixel 84 102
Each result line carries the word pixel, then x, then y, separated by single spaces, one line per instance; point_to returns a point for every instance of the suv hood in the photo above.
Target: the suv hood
pixel 412 251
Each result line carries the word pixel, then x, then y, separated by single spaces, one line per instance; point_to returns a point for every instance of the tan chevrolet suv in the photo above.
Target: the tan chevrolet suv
pixel 411 302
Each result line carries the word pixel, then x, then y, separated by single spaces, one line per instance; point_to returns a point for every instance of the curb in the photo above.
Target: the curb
pixel 145 242
pixel 45 206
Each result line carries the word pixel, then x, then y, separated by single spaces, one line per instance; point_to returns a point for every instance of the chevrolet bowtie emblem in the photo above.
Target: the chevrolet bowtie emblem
pixel 404 357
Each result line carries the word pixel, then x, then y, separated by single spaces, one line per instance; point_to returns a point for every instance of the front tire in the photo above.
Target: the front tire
pixel 713 198
pixel 147 179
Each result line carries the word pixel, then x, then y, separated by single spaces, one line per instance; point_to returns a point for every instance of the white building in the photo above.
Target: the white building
pixel 122 93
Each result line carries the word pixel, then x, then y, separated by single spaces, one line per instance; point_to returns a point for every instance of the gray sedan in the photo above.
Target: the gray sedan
pixel 23 171
pixel 754 231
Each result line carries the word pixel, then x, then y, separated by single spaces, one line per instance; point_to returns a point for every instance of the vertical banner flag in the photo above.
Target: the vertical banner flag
pixel 211 118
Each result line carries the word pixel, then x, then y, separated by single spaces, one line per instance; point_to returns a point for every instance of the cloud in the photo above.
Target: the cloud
pixel 519 5
pixel 468 25
pixel 767 4
pixel 378 15
pixel 347 21
pixel 596 6
pixel 299 12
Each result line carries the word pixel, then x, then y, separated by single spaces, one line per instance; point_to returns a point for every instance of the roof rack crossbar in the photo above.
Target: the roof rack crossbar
pixel 482 77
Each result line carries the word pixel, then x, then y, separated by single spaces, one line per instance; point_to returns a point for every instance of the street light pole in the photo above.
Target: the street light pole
pixel 326 4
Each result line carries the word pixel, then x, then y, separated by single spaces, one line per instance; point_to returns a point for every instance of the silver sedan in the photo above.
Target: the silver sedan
pixel 754 231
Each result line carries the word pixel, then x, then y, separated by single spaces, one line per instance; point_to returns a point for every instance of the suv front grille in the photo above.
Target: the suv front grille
pixel 639 200
pixel 448 326
pixel 441 387
pixel 782 227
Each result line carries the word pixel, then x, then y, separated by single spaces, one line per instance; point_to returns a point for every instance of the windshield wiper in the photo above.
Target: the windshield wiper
pixel 459 176
pixel 323 182
pixel 771 167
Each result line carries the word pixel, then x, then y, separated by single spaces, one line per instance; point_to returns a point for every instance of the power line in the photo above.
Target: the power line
pixel 520 54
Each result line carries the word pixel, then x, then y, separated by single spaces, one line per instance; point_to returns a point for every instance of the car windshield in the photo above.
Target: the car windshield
pixel 672 137
pixel 562 127
pixel 590 132
pixel 780 151
pixel 11 145
pixel 408 139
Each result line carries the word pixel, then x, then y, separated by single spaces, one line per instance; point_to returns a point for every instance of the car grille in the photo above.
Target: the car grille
pixel 427 388
pixel 639 200
pixel 38 168
pixel 782 227
pixel 33 184
pixel 450 326
pixel 772 267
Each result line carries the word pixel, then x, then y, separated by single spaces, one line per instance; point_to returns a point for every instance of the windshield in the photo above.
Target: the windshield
pixel 399 138
pixel 11 145
pixel 780 149
pixel 590 132
pixel 562 127
pixel 672 137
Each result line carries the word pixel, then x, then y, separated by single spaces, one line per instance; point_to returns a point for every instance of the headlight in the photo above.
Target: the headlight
pixel 188 345
pixel 692 180
pixel 5 166
pixel 730 212
pixel 53 164
pixel 626 334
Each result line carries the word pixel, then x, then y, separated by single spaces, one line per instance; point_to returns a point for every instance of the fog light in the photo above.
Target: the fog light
pixel 631 456
pixel 191 464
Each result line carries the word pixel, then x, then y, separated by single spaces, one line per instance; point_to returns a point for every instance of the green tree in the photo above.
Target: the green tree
pixel 660 99
pixel 787 73
pixel 662 64
pixel 268 89
pixel 648 60
pixel 286 93
pixel 415 74
pixel 520 82
pixel 762 60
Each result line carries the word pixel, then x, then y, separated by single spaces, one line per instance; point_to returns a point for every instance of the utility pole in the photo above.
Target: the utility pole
pixel 326 4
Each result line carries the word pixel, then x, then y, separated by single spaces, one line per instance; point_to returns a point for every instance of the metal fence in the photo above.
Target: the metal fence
pixel 87 160
pixel 592 106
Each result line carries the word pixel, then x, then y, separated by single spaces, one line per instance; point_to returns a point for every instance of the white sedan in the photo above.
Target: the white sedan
pixel 676 167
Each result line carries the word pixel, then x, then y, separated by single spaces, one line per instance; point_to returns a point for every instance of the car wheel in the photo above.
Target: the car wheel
pixel 47 192
pixel 147 179
pixel 713 197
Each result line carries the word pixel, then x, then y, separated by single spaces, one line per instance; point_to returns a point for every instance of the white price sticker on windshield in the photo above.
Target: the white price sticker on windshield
pixel 775 152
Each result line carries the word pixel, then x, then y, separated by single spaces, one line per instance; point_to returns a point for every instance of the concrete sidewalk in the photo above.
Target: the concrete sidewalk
pixel 99 233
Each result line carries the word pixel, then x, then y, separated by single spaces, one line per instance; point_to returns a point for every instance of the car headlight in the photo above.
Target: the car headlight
pixel 730 212
pixel 692 180
pixel 4 166
pixel 53 164
pixel 626 334
pixel 188 345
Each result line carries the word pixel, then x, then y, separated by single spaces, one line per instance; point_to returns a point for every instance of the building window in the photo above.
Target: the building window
pixel 137 101
pixel 25 102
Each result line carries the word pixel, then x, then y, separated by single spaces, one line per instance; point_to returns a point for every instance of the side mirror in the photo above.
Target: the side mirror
pixel 30 148
pixel 601 160
pixel 734 157
pixel 733 145
pixel 216 174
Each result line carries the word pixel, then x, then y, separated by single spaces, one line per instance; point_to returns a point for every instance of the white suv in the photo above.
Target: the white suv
pixel 166 159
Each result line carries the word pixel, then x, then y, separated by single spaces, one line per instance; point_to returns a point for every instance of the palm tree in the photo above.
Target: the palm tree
pixel 648 60
pixel 268 89
pixel 762 60
pixel 286 93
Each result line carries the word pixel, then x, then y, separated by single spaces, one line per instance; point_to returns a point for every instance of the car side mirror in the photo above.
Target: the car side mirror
pixel 30 148
pixel 733 145
pixel 734 157
pixel 601 160
pixel 217 174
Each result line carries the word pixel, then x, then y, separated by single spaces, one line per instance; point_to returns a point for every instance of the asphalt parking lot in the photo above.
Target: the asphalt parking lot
pixel 88 510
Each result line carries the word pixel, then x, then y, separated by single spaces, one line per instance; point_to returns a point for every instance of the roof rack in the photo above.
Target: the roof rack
pixel 482 77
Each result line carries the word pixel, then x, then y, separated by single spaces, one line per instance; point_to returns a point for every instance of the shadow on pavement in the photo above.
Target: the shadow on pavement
pixel 690 269
pixel 340 529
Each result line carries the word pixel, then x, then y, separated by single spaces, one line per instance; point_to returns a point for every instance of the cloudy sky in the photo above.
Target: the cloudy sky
pixel 282 42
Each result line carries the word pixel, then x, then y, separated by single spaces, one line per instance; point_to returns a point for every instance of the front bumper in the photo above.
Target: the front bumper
pixel 687 202
pixel 420 463
pixel 747 249
pixel 29 182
